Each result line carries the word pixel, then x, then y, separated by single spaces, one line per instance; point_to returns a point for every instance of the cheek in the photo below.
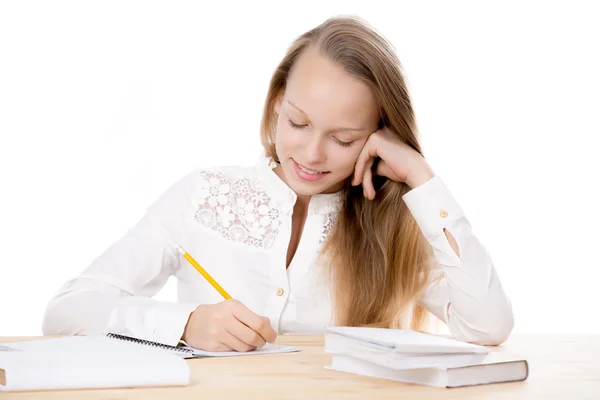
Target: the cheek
pixel 286 138
pixel 281 139
pixel 344 159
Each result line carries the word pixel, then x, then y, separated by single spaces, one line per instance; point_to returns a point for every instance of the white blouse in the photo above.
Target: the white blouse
pixel 236 222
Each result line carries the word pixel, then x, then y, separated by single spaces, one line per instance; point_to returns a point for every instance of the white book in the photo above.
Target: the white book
pixel 389 358
pixel 495 368
pixel 405 341
pixel 83 362
pixel 416 357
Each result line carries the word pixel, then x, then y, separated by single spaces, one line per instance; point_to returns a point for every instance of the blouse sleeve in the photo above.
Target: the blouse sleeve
pixel 113 294
pixel 465 292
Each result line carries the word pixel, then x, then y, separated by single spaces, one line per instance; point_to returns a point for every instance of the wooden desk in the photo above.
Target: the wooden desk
pixel 562 367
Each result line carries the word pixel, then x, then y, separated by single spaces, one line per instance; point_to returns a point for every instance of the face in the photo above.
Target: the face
pixel 324 118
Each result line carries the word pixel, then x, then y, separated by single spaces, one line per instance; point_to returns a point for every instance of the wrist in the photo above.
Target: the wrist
pixel 420 174
pixel 189 324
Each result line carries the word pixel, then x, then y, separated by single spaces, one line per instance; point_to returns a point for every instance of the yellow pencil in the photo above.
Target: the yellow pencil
pixel 205 274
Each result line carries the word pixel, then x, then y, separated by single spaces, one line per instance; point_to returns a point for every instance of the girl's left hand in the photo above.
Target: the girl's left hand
pixel 398 161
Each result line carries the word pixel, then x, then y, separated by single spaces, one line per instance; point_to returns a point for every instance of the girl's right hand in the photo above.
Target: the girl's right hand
pixel 227 326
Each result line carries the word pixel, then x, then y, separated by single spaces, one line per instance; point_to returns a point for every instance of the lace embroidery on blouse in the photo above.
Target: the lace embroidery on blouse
pixel 238 209
pixel 328 222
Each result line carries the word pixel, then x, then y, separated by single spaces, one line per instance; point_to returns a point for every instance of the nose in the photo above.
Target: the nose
pixel 315 152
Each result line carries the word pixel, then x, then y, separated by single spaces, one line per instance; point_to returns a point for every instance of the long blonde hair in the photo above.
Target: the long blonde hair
pixel 378 258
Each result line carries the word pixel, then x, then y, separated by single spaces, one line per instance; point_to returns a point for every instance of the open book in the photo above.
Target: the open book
pixel 415 357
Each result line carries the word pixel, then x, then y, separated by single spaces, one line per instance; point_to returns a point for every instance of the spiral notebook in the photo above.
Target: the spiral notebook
pixel 186 351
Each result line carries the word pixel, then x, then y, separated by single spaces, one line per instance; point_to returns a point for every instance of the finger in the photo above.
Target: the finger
pixel 359 167
pixel 216 346
pixel 368 151
pixel 367 181
pixel 260 325
pixel 235 343
pixel 245 334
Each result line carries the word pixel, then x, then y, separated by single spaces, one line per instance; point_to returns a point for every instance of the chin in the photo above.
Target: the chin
pixel 304 191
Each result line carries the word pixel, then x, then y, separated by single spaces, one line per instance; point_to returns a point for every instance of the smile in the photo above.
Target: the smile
pixel 307 173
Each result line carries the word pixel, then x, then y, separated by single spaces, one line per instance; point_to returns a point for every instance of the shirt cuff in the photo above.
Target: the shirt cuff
pixel 160 322
pixel 169 320
pixel 432 206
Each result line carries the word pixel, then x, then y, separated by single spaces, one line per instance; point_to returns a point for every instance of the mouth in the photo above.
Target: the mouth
pixel 308 174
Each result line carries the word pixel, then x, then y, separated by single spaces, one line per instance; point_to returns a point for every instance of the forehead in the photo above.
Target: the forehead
pixel 323 89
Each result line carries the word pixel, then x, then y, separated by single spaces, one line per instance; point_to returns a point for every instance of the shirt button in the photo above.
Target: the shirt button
pixel 280 292
pixel 443 213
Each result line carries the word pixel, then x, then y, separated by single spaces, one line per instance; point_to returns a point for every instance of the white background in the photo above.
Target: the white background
pixel 103 105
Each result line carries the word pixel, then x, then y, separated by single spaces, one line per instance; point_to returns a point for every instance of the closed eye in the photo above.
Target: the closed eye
pixel 344 144
pixel 294 125
pixel 338 141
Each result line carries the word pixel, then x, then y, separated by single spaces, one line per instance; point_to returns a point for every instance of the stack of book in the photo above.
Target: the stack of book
pixel 420 358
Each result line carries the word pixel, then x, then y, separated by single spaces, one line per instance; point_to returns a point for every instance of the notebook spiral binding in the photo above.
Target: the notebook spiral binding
pixel 150 343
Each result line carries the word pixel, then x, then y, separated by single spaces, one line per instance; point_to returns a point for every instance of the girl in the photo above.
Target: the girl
pixel 342 221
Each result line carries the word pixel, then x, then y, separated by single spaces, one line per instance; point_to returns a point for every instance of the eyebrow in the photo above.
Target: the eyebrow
pixel 336 129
